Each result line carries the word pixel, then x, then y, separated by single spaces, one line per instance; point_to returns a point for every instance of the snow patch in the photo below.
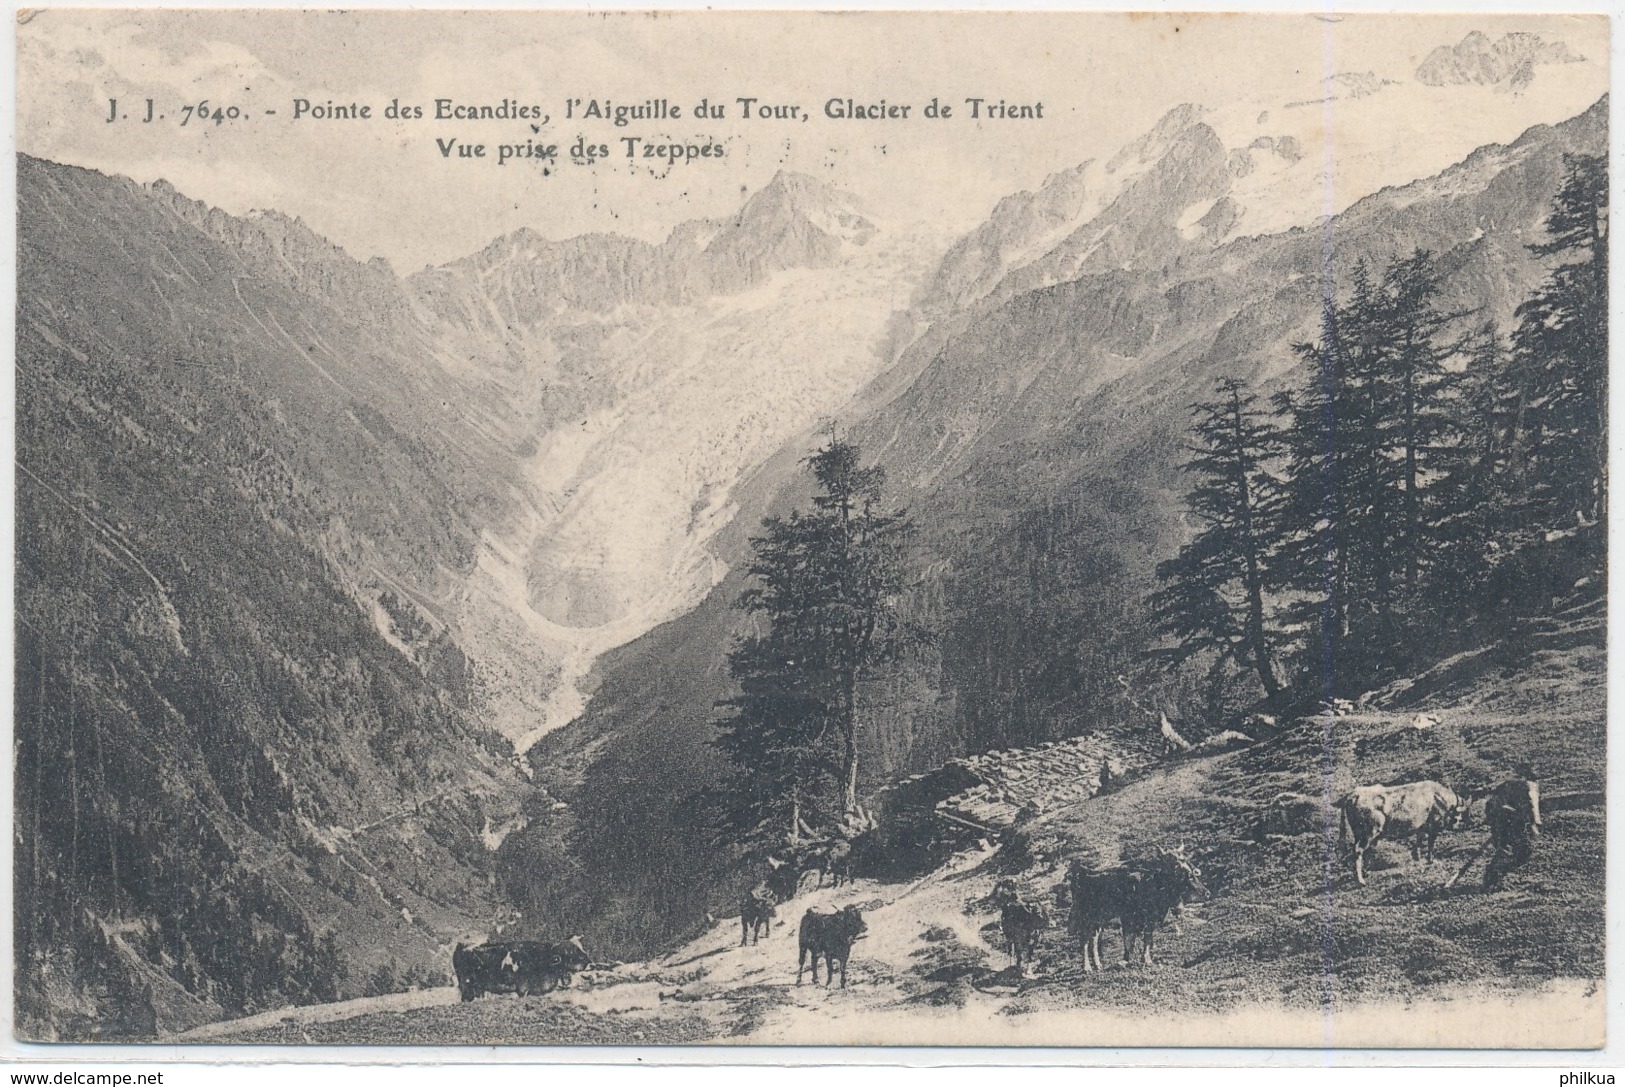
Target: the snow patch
pixel 1189 222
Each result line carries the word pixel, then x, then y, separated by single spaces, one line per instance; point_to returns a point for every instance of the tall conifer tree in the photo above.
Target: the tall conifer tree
pixel 1214 591
pixel 826 584
pixel 1561 348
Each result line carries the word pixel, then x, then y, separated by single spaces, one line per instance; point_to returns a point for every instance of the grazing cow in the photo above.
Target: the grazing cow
pixel 783 878
pixel 830 935
pixel 1139 896
pixel 1290 814
pixel 1512 811
pixel 1155 891
pixel 524 967
pixel 561 961
pixel 1020 922
pixel 840 862
pixel 832 858
pixel 1419 810
pixel 1097 896
pixel 756 914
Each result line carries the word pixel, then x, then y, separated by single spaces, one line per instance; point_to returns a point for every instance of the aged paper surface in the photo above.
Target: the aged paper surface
pixel 798 528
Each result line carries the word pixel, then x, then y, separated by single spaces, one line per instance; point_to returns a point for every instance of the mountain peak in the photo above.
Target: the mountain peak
pixel 1181 125
pixel 1508 62
pixel 1183 116
pixel 800 194
pixel 796 203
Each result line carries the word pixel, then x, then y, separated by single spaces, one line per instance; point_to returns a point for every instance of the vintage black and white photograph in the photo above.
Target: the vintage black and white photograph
pixel 797 528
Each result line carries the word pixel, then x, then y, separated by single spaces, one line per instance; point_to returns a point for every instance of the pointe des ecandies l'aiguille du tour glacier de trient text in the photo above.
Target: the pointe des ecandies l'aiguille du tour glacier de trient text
pixel 810 528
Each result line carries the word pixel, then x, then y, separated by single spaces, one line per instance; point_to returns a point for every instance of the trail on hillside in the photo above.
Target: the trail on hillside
pixel 924 974
pixel 1285 950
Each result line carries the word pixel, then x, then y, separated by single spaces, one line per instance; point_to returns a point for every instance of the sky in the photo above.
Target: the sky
pixel 383 188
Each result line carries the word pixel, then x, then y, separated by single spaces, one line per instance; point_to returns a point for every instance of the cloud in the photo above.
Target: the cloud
pixel 1508 64
pixel 1345 85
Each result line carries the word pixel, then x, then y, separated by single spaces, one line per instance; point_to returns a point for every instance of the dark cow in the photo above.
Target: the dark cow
pixel 838 861
pixel 1290 814
pixel 830 935
pixel 783 878
pixel 1512 811
pixel 1419 810
pixel 831 857
pixel 756 914
pixel 1097 896
pixel 524 967
pixel 1154 892
pixel 1020 922
pixel 1140 897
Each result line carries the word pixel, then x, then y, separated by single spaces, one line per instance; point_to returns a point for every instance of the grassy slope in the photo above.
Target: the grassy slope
pixel 1274 934
pixel 1286 917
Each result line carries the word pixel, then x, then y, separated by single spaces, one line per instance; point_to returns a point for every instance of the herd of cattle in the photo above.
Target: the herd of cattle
pixel 1421 810
pixel 1139 896
pixel 524 967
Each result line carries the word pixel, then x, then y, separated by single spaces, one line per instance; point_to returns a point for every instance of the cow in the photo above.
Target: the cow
pixel 560 962
pixel 1154 892
pixel 1512 811
pixel 830 935
pixel 1419 810
pixel 783 878
pixel 756 914
pixel 1097 897
pixel 1139 897
pixel 524 967
pixel 1290 814
pixel 831 857
pixel 1019 922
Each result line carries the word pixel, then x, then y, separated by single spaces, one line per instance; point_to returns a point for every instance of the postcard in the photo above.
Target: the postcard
pixel 816 528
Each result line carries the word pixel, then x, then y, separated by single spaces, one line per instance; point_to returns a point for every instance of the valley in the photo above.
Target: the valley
pixel 362 614
pixel 1036 429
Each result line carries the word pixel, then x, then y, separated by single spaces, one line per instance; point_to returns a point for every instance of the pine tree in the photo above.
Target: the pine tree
pixel 1471 527
pixel 825 584
pixel 1561 349
pixel 1420 427
pixel 780 733
pixel 1214 593
pixel 1317 496
pixel 858 559
pixel 1366 440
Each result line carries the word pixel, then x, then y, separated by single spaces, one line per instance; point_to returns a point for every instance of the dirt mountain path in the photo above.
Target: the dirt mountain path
pixel 925 973
pixel 710 988
pixel 1286 949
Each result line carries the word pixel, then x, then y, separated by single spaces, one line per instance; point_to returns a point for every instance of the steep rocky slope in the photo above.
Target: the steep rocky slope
pixel 242 779
pixel 319 543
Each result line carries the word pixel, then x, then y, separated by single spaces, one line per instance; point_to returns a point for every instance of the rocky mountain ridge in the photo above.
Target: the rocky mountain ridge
pixel 1037 438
